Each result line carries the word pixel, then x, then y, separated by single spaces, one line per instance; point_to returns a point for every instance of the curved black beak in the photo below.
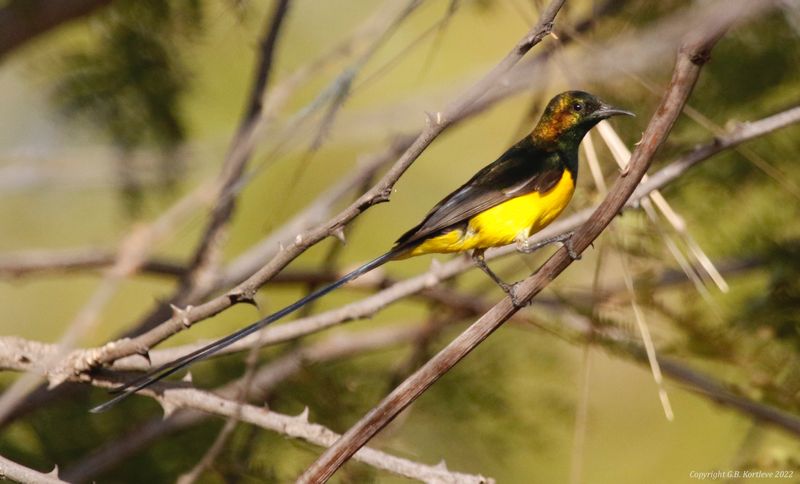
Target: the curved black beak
pixel 606 111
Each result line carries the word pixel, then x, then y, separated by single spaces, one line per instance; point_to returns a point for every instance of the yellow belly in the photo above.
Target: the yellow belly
pixel 515 219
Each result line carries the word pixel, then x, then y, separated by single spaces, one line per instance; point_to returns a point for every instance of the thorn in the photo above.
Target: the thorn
pixel 553 35
pixel 339 234
pixel 429 118
pixel 168 407
pixel 54 381
pixel 303 417
pixel 145 353
pixel 641 138
pixel 624 171
pixel 244 296
pixel 573 254
pixel 434 118
pixel 281 248
pixel 54 472
pixel 298 239
pixel 253 303
pixel 182 314
pixel 442 466
pixel 187 377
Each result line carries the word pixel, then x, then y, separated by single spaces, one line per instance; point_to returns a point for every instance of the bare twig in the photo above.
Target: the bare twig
pixel 19 473
pixel 174 400
pixel 299 427
pixel 705 385
pixel 265 380
pixel 34 262
pixel 692 56
pixel 133 252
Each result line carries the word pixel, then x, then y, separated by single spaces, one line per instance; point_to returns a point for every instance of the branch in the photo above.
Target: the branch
pixel 690 58
pixel 300 428
pixel 33 262
pixel 335 347
pixel 710 388
pixel 192 406
pixel 704 385
pixel 19 473
pixel 741 133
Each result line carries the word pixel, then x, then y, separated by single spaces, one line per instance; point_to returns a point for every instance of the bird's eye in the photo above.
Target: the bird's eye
pixel 577 107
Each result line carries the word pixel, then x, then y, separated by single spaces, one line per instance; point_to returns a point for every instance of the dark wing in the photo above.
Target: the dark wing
pixel 521 170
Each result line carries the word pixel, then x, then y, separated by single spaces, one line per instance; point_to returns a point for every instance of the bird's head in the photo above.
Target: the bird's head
pixel 569 116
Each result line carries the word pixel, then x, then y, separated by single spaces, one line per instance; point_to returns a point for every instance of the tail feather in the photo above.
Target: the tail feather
pixel 176 365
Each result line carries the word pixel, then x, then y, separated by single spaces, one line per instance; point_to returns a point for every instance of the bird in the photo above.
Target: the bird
pixel 506 202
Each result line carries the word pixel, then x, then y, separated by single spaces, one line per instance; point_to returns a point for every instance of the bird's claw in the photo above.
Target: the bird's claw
pixel 511 290
pixel 571 250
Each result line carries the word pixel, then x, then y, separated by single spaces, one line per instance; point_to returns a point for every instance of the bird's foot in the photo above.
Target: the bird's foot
pixel 573 254
pixel 524 245
pixel 512 290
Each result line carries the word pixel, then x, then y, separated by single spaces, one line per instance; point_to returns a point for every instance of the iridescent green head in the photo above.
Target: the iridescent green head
pixel 569 116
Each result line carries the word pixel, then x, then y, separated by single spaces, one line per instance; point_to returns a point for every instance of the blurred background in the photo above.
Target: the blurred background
pixel 110 119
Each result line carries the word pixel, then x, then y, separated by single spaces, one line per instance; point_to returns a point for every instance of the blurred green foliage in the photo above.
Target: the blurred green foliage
pixel 132 81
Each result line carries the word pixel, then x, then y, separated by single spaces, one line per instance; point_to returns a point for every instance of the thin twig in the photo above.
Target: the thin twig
pixel 299 427
pixel 175 400
pixel 704 385
pixel 36 262
pixel 265 380
pixel 133 253
pixel 19 473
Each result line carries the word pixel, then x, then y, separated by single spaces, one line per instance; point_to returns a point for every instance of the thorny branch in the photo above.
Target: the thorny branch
pixel 19 473
pixel 177 401
pixel 264 382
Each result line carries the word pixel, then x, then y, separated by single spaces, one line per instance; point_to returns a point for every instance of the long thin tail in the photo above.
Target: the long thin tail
pixel 176 365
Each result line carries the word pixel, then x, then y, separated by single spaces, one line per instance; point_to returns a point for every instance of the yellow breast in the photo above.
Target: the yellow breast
pixel 515 219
